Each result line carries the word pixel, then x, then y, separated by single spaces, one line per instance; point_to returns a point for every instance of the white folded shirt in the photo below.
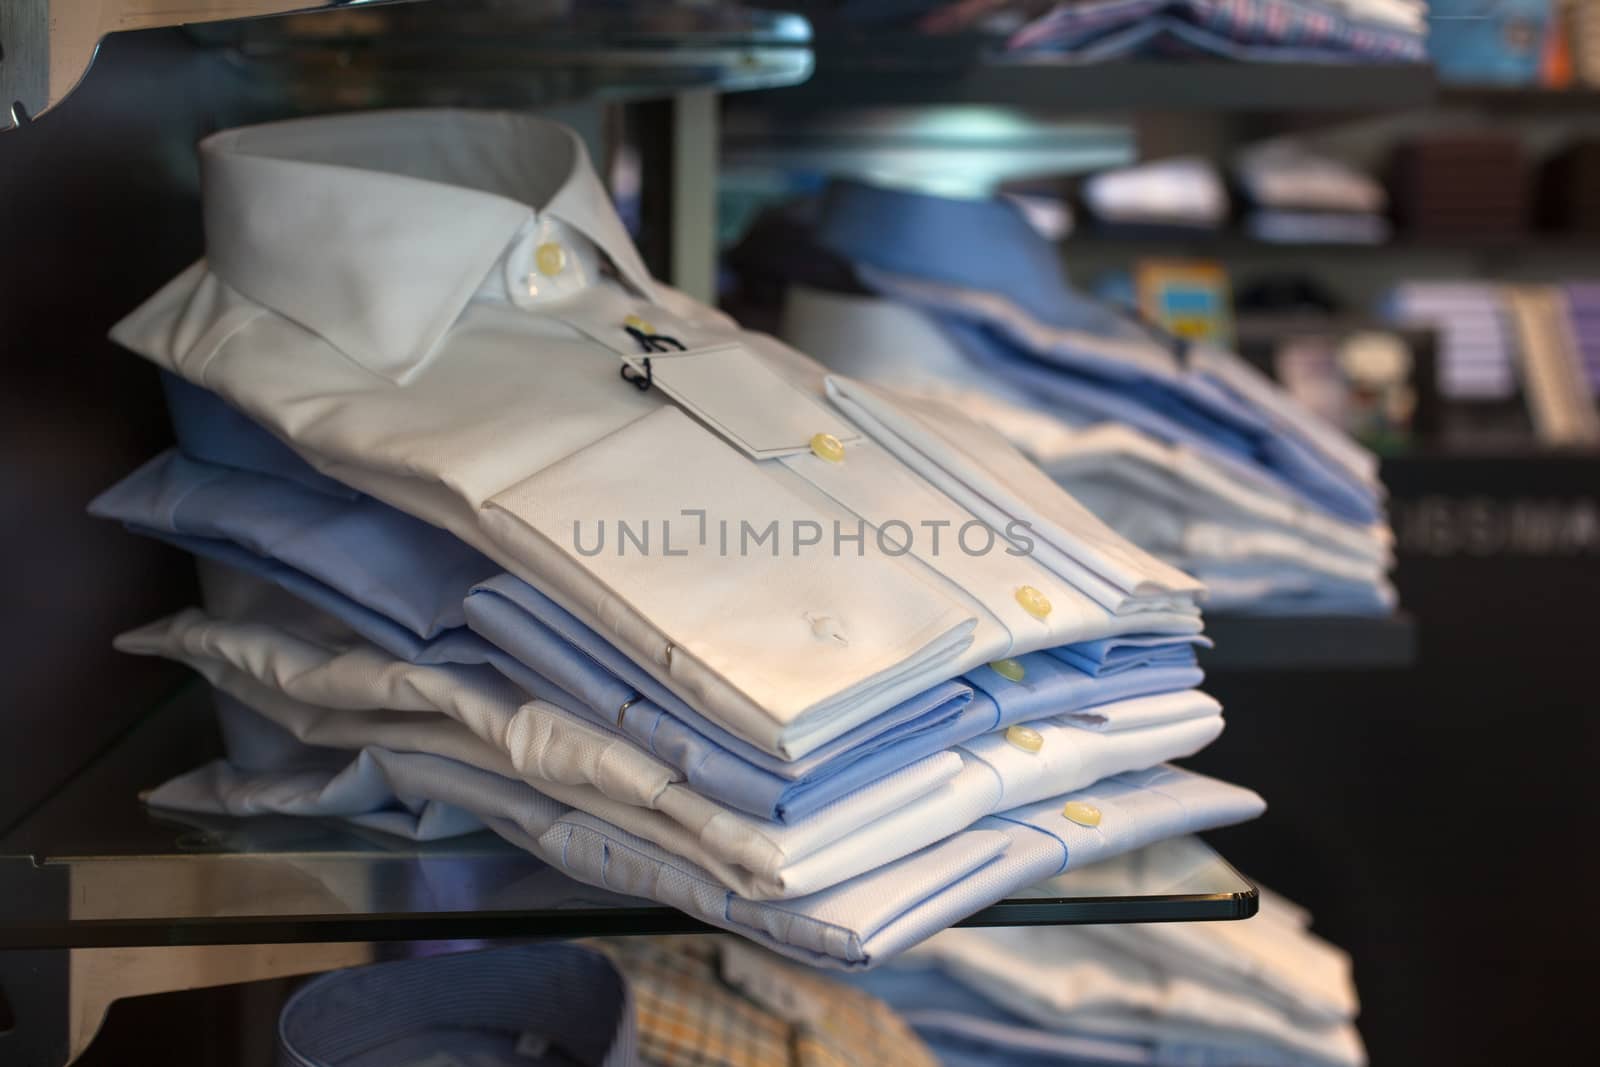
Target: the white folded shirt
pixel 1272 955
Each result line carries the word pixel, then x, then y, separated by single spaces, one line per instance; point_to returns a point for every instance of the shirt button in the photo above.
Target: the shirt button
pixel 550 258
pixel 638 324
pixel 1033 601
pixel 1009 669
pixel 1024 737
pixel 828 447
pixel 1081 812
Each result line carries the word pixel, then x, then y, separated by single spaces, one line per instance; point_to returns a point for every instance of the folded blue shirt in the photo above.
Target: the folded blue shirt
pixel 896 237
pixel 550 1004
pixel 210 429
pixel 538 633
pixel 401 584
pixel 1128 652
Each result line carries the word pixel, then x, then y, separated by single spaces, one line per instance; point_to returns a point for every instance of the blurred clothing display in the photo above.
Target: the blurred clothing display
pixel 1278 226
pixel 1364 380
pixel 1300 198
pixel 1498 343
pixel 1465 185
pixel 1284 175
pixel 1014 319
pixel 1559 396
pixel 1193 455
pixel 1262 991
pixel 1583 305
pixel 1182 192
pixel 1477 349
pixel 1305 31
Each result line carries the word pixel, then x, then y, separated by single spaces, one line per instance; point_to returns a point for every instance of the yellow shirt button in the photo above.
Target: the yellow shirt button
pixel 1082 813
pixel 550 258
pixel 828 447
pixel 1033 602
pixel 638 324
pixel 1009 669
pixel 1024 737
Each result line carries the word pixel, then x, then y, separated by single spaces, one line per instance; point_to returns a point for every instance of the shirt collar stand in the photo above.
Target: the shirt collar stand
pixel 374 230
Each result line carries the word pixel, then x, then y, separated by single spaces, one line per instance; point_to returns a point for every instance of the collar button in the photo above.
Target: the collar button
pixel 550 258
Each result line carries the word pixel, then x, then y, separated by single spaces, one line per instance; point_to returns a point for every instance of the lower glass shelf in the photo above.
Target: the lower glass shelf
pixel 94 868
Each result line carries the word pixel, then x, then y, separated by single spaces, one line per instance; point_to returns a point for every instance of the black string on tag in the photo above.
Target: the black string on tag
pixel 649 342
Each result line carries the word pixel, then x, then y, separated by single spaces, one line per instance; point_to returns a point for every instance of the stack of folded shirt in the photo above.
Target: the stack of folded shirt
pixel 1265 992
pixel 1477 344
pixel 1298 31
pixel 1188 452
pixel 1300 198
pixel 1463 185
pixel 539 544
pixel 1181 194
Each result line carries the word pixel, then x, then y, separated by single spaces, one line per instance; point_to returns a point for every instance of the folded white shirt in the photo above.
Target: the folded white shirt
pixel 1272 955
pixel 1185 190
pixel 1169 530
pixel 419 304
pixel 1063 978
pixel 331 689
pixel 1283 175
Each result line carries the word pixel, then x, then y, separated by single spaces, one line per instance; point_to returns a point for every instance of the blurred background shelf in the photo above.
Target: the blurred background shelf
pixel 482 53
pixel 1229 244
pixel 1575 100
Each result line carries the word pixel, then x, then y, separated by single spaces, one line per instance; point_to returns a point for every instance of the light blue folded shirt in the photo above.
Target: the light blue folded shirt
pixel 538 633
pixel 892 234
pixel 405 585
pixel 1130 652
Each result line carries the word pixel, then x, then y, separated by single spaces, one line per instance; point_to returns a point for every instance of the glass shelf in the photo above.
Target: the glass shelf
pixel 486 53
pixel 93 868
pixel 872 68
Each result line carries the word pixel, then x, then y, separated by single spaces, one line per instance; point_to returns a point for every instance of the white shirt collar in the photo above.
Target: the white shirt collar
pixel 374 230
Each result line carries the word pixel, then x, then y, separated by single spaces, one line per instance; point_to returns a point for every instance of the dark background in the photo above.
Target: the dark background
pixel 1440 822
